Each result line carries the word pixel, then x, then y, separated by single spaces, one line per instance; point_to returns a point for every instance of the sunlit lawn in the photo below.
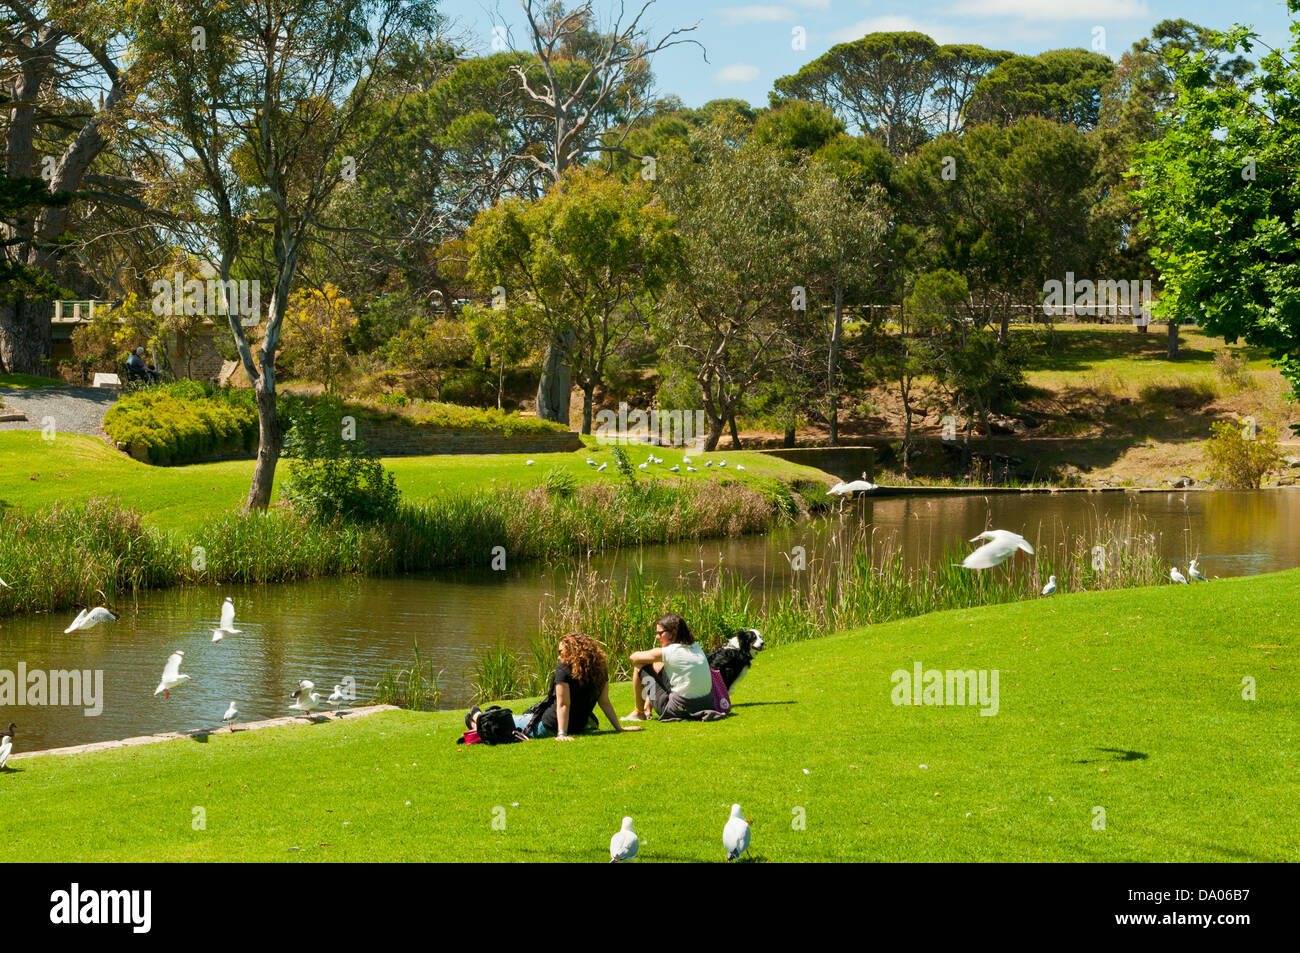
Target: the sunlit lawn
pixel 1127 702
pixel 35 472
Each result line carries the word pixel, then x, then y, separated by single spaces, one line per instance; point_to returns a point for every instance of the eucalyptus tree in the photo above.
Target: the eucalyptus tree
pixel 588 86
pixel 1062 85
pixel 262 107
pixel 581 260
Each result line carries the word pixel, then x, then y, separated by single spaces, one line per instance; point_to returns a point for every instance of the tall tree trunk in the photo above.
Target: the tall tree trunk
pixel 501 382
pixel 735 435
pixel 556 384
pixel 832 370
pixel 588 398
pixel 788 439
pixel 1173 340
pixel 907 431
pixel 25 338
pixel 715 433
pixel 269 443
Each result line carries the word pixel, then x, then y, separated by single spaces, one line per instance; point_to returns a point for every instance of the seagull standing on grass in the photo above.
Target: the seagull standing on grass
pixel 6 743
pixel 602 466
pixel 88 618
pixel 229 716
pixel 1050 588
pixel 227 626
pixel 305 700
pixel 735 836
pixel 529 463
pixel 1176 576
pixel 1196 574
pixel 674 468
pixel 171 676
pixel 624 845
pixel 1001 546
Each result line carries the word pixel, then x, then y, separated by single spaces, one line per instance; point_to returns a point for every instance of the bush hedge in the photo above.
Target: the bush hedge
pixel 184 422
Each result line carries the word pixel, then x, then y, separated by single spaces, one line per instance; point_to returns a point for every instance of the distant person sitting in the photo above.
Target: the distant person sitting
pixel 136 369
pixel 673 680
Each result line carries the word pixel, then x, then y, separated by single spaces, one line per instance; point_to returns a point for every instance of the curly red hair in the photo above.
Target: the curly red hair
pixel 585 658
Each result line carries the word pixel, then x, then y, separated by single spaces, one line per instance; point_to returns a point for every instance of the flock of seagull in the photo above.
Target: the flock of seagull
pixel 657 461
pixel 625 845
pixel 306 699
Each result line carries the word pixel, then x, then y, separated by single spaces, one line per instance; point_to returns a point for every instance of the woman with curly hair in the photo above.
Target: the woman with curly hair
pixel 581 683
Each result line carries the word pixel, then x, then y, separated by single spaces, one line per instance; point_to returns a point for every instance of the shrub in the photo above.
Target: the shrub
pixel 1241 456
pixel 332 474
pixel 183 422
pixel 1232 368
pixel 560 483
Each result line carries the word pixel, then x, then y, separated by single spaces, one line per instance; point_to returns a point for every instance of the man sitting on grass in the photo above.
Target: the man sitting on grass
pixel 673 680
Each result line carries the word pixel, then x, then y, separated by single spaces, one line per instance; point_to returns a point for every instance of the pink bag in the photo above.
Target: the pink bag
pixel 721 698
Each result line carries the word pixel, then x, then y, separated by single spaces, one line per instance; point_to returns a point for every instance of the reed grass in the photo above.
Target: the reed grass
pixel 415 687
pixel 64 555
pixel 860 578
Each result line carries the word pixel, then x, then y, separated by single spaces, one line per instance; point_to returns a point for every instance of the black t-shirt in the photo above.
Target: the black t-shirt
pixel 583 698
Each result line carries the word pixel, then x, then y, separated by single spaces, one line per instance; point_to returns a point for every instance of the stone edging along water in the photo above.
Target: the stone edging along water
pixel 204 733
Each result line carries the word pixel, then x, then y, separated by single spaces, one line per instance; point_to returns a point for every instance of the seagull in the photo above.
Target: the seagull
pixel 654 459
pixel 686 459
pixel 740 466
pixel 1176 576
pixel 87 618
pixel 722 463
pixel 529 463
pixel 171 676
pixel 735 836
pixel 1196 574
pixel 602 466
pixel 692 470
pixel 624 845
pixel 591 462
pixel 336 697
pixel 1000 547
pixel 857 486
pixel 229 716
pixel 1050 588
pixel 305 700
pixel 674 468
pixel 7 746
pixel 708 463
pixel 227 626
pixel 642 466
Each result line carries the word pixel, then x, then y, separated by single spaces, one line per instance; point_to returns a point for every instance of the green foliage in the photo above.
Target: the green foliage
pixel 1061 85
pixel 1238 460
pixel 1218 196
pixel 623 463
pixel 415 687
pixel 183 422
pixel 560 484
pixel 331 473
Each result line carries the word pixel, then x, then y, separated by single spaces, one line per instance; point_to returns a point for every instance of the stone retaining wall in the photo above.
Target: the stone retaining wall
pixel 394 439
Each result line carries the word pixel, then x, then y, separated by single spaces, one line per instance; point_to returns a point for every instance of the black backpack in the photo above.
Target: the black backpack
pixel 496 726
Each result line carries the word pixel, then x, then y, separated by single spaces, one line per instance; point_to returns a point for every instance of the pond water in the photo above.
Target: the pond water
pixel 325 630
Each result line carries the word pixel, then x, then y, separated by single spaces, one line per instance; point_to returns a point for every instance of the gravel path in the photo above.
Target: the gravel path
pixel 74 409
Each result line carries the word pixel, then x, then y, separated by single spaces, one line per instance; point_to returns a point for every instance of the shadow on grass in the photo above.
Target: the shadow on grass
pixel 761 704
pixel 1119 754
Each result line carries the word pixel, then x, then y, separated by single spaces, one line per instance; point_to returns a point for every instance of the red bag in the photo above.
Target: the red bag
pixel 468 738
pixel 721 697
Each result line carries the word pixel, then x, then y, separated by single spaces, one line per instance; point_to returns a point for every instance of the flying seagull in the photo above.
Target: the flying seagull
pixel 735 836
pixel 88 618
pixel 1000 547
pixel 171 676
pixel 227 626
pixel 305 700
pixel 624 844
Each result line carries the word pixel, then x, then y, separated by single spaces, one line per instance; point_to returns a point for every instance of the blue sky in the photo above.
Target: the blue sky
pixel 750 44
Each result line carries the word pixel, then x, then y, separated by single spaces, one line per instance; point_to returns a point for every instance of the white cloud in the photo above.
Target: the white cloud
pixel 756 14
pixel 1095 10
pixel 737 73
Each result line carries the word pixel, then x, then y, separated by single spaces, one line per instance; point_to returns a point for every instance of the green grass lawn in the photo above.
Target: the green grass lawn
pixel 1130 701
pixel 28 381
pixel 35 472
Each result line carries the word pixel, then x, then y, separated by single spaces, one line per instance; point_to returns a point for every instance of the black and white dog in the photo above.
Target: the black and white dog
pixel 733 658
